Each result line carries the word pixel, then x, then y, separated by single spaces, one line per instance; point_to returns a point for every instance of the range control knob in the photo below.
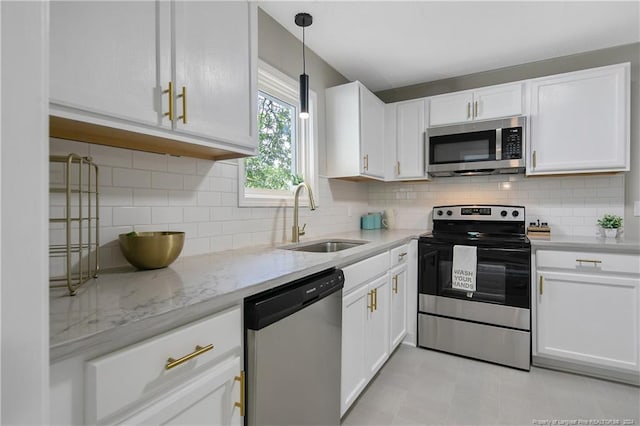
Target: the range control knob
pixel 449 212
pixel 503 213
pixel 439 212
pixel 515 213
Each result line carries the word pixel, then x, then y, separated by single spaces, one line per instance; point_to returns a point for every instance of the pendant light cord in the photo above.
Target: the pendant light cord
pixel 304 70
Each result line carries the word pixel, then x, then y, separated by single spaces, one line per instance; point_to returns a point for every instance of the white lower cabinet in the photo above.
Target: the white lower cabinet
pixel 588 313
pixel 398 282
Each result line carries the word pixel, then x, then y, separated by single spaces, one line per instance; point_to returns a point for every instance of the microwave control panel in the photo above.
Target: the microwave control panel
pixel 512 143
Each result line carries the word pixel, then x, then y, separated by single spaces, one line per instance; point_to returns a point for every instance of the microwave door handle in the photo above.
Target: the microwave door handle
pixel 499 144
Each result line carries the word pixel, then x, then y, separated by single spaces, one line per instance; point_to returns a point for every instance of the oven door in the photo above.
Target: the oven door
pixel 502 285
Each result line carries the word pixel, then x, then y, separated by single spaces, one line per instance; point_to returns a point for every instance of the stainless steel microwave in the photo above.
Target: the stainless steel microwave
pixel 477 148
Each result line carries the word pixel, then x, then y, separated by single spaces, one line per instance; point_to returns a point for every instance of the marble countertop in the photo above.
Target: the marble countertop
pixel 123 307
pixel 623 245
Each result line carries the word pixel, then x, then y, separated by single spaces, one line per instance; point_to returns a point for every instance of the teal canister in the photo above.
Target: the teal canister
pixel 371 221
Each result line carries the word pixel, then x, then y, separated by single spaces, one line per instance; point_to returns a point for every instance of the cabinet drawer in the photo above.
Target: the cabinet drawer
pixel 588 262
pixel 399 255
pixel 118 380
pixel 365 270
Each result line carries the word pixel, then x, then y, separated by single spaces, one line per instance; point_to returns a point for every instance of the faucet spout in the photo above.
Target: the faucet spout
pixel 295 230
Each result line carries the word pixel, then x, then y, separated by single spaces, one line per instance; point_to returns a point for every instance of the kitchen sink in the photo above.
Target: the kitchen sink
pixel 325 246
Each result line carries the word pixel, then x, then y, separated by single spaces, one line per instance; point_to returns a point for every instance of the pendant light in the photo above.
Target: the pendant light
pixel 304 20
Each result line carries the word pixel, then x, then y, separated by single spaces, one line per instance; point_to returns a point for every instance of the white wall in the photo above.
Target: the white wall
pixel 142 191
pixel 24 292
pixel 571 205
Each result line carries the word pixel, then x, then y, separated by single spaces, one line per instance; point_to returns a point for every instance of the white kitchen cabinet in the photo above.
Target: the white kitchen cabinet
pixel 579 122
pixel 377 330
pixel 587 313
pixel 398 286
pixel 112 64
pixel 411 123
pixel 355 132
pixel 485 103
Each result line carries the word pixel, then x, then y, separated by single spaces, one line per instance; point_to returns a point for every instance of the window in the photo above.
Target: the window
pixel 286 144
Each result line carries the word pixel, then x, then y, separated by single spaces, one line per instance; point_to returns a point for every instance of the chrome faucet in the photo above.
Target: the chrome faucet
pixel 295 230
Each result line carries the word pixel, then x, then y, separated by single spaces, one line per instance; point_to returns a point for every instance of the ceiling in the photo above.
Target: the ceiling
pixel 390 44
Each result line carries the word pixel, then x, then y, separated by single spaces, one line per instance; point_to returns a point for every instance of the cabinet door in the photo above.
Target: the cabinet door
pixel 207 400
pixel 211 44
pixel 454 108
pixel 111 58
pixel 579 122
pixel 398 283
pixel 497 101
pixel 589 318
pixel 410 125
pixel 371 134
pixel 354 320
pixel 377 340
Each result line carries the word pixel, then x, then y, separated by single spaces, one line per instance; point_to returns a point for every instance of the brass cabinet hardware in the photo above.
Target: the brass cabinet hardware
pixel 169 91
pixel 398 166
pixel 395 284
pixel 475 109
pixel 541 285
pixel 401 255
pixel 468 110
pixel 171 362
pixel 241 403
pixel 595 262
pixel 375 299
pixel 183 95
pixel 535 159
pixel 366 162
pixel 370 306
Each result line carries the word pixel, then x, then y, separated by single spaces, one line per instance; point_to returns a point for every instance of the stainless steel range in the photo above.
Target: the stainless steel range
pixel 474 284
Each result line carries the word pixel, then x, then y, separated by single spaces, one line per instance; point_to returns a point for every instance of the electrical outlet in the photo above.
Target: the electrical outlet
pixel 636 208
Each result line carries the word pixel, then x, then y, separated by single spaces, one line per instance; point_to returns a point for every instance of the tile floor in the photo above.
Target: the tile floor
pixel 422 387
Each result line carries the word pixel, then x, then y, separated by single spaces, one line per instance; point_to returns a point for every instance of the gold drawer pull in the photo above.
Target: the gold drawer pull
pixel 595 262
pixel 541 285
pixel 183 117
pixel 240 404
pixel 169 91
pixel 375 299
pixel 401 255
pixel 371 307
pixel 176 362
pixel 395 284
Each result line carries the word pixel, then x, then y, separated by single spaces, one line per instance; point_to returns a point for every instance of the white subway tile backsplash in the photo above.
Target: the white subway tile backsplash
pixel 195 246
pixel 112 196
pixel 197 183
pixel 161 180
pixel 184 165
pixel 150 197
pixel 209 199
pixel 149 161
pixel 109 156
pixel 209 229
pixel 222 184
pixel 183 198
pixel 204 167
pixel 167 215
pixel 131 216
pixel 221 243
pixel 196 214
pixel 131 178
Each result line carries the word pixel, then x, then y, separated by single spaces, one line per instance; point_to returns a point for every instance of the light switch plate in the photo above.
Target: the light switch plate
pixel 636 208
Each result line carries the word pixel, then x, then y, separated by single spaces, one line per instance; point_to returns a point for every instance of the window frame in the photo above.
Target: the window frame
pixel 279 85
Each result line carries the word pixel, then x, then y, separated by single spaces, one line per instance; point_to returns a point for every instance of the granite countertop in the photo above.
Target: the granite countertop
pixel 623 245
pixel 125 306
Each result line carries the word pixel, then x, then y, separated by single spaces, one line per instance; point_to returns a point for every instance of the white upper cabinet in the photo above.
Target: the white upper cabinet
pixel 172 77
pixel 104 58
pixel 212 66
pixel 480 104
pixel 579 122
pixel 355 132
pixel 409 139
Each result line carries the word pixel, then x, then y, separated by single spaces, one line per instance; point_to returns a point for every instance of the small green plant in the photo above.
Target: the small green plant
pixel 610 221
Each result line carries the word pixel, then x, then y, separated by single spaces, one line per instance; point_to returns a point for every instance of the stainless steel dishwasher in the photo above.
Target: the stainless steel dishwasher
pixel 293 344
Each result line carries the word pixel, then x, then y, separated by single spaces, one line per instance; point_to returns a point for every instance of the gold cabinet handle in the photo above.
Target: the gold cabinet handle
pixel 535 159
pixel 402 255
pixel 395 284
pixel 169 91
pixel 375 299
pixel 183 95
pixel 468 110
pixel 241 403
pixel 475 109
pixel 370 306
pixel 398 166
pixel 366 162
pixel 541 285
pixel 171 362
pixel 595 262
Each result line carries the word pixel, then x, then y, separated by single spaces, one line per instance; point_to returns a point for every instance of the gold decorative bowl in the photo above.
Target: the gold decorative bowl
pixel 151 250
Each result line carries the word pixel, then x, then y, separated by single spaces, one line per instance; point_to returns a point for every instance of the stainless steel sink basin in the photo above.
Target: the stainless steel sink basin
pixel 325 246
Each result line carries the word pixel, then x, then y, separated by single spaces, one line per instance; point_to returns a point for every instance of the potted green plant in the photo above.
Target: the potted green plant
pixel 610 223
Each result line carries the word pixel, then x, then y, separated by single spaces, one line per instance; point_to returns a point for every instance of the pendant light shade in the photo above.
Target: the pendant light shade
pixel 304 20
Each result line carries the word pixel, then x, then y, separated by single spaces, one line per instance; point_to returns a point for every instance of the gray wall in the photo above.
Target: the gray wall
pixel 283 51
pixel 596 58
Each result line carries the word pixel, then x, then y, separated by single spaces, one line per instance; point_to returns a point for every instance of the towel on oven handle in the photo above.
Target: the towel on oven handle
pixel 463 268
